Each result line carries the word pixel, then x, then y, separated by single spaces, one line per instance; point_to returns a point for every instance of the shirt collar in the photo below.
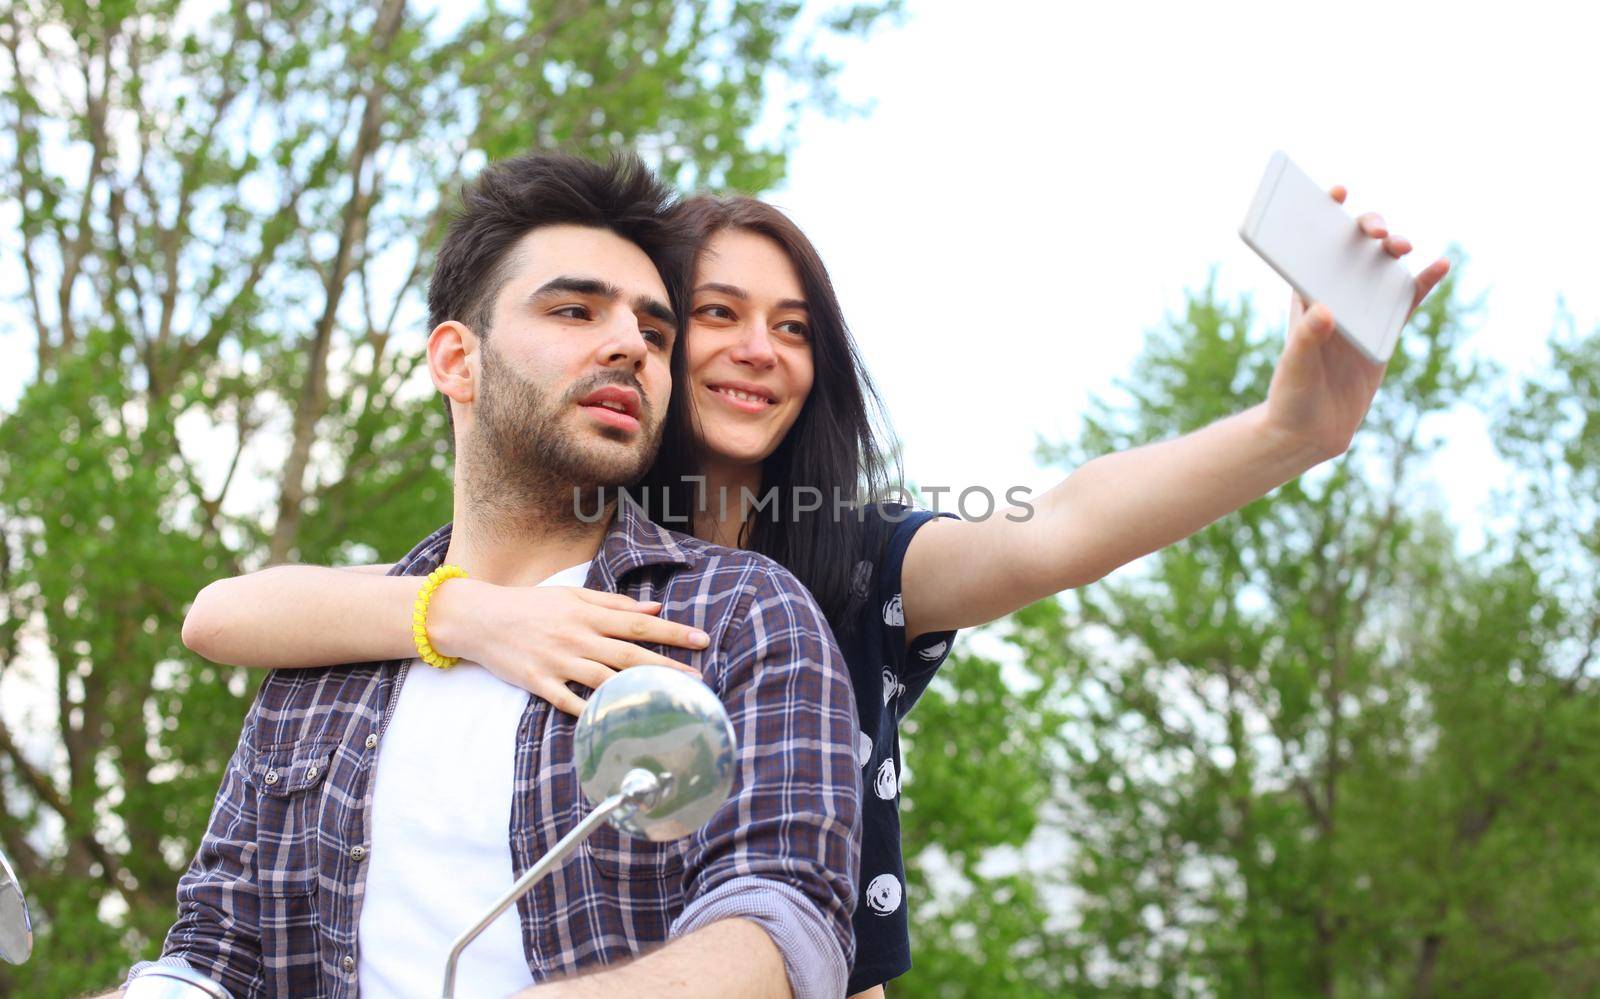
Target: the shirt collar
pixel 634 541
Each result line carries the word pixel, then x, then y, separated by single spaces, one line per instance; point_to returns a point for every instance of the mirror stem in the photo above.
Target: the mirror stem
pixel 639 790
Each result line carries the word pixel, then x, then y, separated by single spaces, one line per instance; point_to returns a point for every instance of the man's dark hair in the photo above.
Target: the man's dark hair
pixel 513 197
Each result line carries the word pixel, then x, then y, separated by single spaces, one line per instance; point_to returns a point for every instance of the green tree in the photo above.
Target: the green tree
pixel 980 776
pixel 219 218
pixel 1316 749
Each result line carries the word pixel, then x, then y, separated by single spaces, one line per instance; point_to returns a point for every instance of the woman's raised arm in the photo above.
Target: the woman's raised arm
pixel 1121 506
pixel 1108 512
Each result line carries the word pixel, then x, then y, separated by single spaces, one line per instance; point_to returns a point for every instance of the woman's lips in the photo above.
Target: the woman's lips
pixel 742 405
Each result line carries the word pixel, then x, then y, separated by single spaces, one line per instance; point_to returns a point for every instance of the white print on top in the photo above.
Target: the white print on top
pixel 891 685
pixel 883 894
pixel 886 784
pixel 864 749
pixel 933 652
pixel 893 614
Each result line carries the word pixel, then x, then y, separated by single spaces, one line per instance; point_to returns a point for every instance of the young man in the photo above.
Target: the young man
pixel 371 812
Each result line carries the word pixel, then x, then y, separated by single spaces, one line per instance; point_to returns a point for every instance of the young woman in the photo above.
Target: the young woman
pixel 777 401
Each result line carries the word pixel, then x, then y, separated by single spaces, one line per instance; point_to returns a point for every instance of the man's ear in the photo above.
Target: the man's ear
pixel 453 361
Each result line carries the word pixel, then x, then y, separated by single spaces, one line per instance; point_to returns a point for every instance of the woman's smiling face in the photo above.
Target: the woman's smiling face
pixel 748 344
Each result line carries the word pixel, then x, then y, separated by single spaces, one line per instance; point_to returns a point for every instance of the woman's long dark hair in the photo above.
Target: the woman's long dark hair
pixel 833 447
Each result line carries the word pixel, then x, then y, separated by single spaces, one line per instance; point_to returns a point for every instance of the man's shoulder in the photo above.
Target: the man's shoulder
pixel 425 555
pixel 755 586
pixel 753 569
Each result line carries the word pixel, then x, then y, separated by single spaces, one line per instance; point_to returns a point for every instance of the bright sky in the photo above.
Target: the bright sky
pixel 1039 183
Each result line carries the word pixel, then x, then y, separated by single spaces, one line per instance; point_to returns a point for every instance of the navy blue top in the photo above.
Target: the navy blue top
pixel 888 676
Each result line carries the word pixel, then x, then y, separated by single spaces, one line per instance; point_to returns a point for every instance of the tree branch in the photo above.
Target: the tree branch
pixel 73 251
pixel 26 137
pixel 311 402
pixel 112 871
pixel 28 861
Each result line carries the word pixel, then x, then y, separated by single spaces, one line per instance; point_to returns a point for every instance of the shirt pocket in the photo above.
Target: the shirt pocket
pixel 288 781
pixel 622 857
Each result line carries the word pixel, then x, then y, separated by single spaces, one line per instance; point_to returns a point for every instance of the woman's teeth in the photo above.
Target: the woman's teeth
pixel 742 396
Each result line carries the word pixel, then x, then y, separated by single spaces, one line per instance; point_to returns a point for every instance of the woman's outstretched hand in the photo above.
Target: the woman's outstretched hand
pixel 1323 385
pixel 540 637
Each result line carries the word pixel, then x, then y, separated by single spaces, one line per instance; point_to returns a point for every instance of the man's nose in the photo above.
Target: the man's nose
pixel 755 347
pixel 624 344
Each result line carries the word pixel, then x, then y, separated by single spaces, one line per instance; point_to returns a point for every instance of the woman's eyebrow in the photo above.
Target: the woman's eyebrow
pixel 742 295
pixel 725 289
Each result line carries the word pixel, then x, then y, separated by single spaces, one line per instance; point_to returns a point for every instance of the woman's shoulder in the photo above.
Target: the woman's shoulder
pixel 887 527
pixel 875 522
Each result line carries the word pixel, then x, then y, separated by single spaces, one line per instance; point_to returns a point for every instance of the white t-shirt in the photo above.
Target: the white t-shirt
pixel 441 828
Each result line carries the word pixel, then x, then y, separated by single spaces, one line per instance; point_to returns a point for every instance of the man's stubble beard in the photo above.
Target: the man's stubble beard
pixel 525 466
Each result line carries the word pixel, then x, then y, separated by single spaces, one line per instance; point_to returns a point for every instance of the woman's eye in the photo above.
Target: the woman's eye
pixel 714 312
pixel 795 329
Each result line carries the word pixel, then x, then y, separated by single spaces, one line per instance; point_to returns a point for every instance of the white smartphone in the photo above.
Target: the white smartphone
pixel 1315 245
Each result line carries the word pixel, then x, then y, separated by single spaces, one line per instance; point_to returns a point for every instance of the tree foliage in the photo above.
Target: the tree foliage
pixel 1316 749
pixel 219 218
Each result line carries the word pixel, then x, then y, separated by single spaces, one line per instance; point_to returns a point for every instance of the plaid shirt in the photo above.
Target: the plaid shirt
pixel 272 901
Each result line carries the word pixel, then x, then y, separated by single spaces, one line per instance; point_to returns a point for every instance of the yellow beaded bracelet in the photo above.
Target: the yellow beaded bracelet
pixel 419 616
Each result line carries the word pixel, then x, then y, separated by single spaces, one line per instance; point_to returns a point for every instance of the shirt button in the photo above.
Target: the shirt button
pixel 272 777
pixel 358 853
pixel 372 741
pixel 348 964
pixel 311 774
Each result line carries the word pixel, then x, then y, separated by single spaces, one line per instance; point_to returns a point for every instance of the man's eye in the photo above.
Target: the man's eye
pixel 573 312
pixel 654 337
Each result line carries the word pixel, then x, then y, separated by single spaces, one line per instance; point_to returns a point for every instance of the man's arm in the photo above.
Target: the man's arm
pixel 729 959
pixel 785 850
pixel 773 873
pixel 218 930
